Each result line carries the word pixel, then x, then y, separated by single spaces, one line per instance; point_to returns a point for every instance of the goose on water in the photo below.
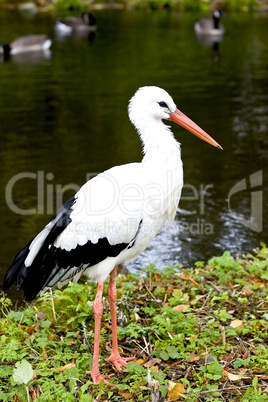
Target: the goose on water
pixel 24 44
pixel 113 217
pixel 84 24
pixel 210 27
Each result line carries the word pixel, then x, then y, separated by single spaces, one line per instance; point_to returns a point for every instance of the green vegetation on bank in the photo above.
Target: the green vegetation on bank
pixel 182 5
pixel 77 6
pixel 197 334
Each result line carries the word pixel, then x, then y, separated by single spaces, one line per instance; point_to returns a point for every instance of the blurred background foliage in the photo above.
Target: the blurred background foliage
pixel 182 5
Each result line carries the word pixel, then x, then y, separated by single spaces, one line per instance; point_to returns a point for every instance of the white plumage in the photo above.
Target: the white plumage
pixel 112 204
pixel 114 216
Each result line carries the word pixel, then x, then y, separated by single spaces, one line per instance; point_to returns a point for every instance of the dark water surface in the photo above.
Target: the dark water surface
pixel 64 115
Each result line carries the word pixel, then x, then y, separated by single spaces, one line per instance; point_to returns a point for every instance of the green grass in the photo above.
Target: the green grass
pixel 201 334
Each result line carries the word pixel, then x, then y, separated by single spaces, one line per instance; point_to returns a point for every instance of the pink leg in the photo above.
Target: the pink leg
pixel 115 357
pixel 98 310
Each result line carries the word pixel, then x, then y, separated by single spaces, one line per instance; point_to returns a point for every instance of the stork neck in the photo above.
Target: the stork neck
pixel 159 144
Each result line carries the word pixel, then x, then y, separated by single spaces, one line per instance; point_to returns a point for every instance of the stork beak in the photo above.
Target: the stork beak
pixel 180 118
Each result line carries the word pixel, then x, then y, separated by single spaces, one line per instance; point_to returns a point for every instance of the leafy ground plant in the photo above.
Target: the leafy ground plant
pixel 198 334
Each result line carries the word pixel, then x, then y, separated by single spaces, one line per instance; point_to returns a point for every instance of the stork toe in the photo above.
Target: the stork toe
pixel 97 377
pixel 119 361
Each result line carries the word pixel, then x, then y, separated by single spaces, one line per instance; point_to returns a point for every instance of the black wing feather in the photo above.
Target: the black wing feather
pixel 18 262
pixel 30 278
pixel 51 263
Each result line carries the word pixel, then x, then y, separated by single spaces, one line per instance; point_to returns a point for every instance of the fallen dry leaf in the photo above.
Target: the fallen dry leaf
pixel 226 370
pixel 191 337
pixel 51 337
pixel 171 384
pixel 230 283
pixel 125 394
pixel 108 347
pixel 246 291
pixel 181 307
pixel 34 376
pixel 236 324
pixel 152 362
pixel 183 275
pixel 66 367
pixel 137 317
pixel 194 358
pixel 140 361
pixel 258 370
pixel 33 393
pixel 235 377
pixel 245 355
pixel 29 329
pixel 157 277
pixel 230 302
pixel 259 324
pixel 228 358
pixel 169 289
pixel 176 391
pixel 242 370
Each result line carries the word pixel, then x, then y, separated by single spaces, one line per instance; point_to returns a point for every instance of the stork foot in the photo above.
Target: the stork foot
pixel 97 377
pixel 119 361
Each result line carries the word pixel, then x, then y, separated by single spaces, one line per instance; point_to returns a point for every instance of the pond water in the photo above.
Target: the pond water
pixel 64 118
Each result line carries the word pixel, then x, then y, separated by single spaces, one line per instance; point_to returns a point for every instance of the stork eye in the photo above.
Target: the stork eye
pixel 163 104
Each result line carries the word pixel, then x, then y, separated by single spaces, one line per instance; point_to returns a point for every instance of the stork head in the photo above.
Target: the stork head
pixel 153 103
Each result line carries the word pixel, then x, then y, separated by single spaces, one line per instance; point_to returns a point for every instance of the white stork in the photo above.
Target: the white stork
pixel 113 217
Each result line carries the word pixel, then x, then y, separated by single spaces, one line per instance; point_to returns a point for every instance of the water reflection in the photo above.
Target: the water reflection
pixel 30 57
pixel 210 42
pixel 62 37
